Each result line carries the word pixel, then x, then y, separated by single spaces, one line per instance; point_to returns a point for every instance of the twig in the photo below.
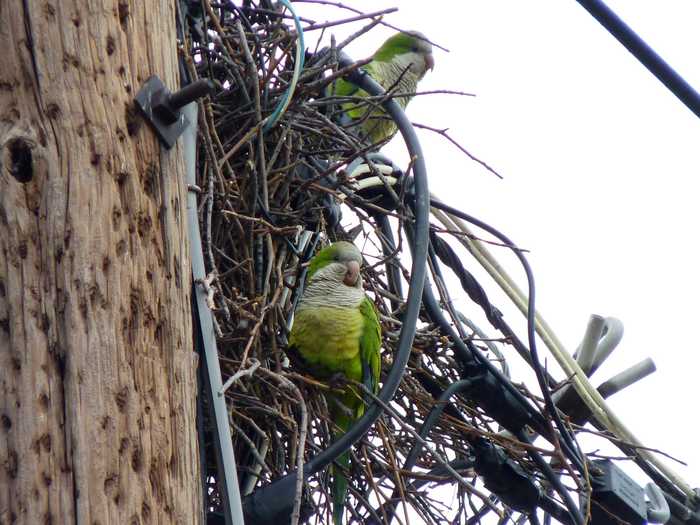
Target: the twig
pixel 443 133
pixel 362 16
pixel 429 447
pixel 291 387
pixel 254 364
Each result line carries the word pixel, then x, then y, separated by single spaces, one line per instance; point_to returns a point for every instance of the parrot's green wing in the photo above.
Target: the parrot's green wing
pixel 329 338
pixel 370 343
pixel 399 64
pixel 343 88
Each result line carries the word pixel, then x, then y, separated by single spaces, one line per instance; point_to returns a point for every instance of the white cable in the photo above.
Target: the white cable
pixel 590 396
pixel 586 391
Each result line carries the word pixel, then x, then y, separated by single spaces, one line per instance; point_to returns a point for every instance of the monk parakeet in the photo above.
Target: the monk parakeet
pixel 336 332
pixel 398 64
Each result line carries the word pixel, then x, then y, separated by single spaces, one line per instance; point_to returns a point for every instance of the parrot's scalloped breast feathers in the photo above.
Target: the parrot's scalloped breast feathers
pixel 400 43
pixel 340 251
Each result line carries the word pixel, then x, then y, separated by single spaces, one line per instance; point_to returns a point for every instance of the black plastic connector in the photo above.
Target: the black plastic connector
pixel 490 393
pixel 616 497
pixel 505 478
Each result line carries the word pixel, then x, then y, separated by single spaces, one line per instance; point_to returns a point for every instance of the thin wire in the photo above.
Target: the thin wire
pixel 644 53
pixel 298 66
pixel 537 367
pixel 433 309
pixel 554 480
pixel 428 423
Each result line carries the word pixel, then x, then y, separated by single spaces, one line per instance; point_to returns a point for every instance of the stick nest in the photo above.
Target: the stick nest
pixel 266 196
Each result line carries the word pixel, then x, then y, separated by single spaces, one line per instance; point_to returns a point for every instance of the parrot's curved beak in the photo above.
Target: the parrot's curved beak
pixel 353 273
pixel 429 61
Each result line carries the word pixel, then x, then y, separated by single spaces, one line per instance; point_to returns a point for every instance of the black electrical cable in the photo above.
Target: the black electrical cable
pixel 433 310
pixel 657 478
pixel 388 248
pixel 477 294
pixel 537 367
pixel 468 355
pixel 554 480
pixel 410 461
pixel 272 503
pixel 547 504
pixel 573 511
pixel 532 518
pixel 644 53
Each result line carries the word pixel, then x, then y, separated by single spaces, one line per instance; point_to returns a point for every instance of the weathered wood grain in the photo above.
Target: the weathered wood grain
pixel 97 374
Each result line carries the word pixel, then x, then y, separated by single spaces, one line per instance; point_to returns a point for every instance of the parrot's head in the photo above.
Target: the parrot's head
pixel 338 263
pixel 410 48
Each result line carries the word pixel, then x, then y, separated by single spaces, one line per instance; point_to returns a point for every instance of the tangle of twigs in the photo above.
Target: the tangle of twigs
pixel 265 197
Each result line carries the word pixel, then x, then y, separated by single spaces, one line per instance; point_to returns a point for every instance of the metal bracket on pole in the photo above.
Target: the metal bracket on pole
pixel 162 109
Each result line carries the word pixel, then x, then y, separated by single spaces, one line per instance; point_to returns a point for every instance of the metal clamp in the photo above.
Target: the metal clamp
pixel 602 336
pixel 162 109
pixel 658 510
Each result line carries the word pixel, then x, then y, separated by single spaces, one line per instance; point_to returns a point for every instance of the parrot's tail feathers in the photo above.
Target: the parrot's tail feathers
pixel 339 486
pixel 344 411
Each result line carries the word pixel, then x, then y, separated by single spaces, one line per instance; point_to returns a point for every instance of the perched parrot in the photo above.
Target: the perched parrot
pixel 399 63
pixel 336 333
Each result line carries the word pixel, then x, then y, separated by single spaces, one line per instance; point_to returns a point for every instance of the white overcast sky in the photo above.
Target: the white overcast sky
pixel 600 164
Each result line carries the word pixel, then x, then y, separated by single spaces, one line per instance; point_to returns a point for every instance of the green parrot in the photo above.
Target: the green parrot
pixel 399 63
pixel 336 333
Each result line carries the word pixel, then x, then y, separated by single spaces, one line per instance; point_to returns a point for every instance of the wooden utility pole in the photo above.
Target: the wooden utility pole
pixel 97 373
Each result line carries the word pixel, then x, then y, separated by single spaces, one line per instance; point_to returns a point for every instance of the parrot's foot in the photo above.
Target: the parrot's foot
pixel 338 381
